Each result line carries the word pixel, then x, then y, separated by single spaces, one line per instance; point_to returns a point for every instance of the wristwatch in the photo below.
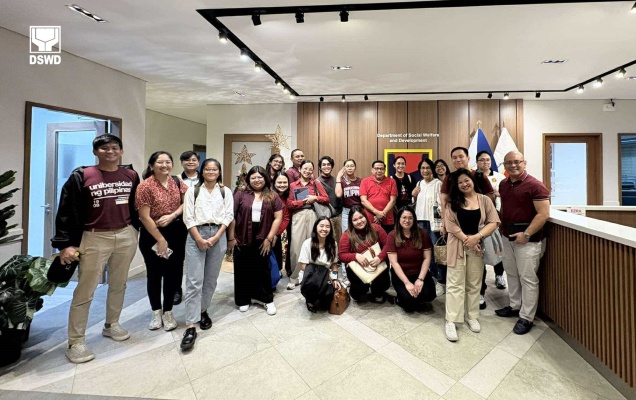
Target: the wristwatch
pixel 333 275
pixel 527 235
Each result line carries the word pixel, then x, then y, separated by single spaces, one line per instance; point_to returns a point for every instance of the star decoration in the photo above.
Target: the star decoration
pixel 278 139
pixel 244 155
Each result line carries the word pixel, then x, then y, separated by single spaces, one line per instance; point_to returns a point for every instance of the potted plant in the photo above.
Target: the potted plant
pixel 22 284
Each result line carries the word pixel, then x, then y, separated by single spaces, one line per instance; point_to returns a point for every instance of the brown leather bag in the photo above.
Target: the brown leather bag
pixel 340 301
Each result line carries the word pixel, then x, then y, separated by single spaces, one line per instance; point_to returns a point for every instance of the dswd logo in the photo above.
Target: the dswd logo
pixel 43 38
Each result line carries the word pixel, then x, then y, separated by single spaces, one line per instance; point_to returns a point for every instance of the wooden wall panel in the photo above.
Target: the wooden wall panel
pixel 626 218
pixel 422 118
pixel 392 118
pixel 508 118
pixel 333 132
pixel 362 128
pixel 308 130
pixel 519 125
pixel 486 112
pixel 453 127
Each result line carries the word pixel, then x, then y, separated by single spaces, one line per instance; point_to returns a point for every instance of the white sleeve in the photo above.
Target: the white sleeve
pixel 188 209
pixel 228 205
pixel 305 252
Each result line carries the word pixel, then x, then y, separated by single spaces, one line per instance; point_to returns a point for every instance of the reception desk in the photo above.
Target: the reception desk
pixel 588 287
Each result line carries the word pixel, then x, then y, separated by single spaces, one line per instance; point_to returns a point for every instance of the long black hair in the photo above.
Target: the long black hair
pixel 285 193
pixel 445 166
pixel 370 235
pixel 456 196
pixel 268 194
pixel 330 242
pixel 269 168
pixel 416 235
pixel 205 162
pixel 152 160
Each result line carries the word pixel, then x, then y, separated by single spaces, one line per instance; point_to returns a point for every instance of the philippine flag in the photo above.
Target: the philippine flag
pixel 504 146
pixel 477 145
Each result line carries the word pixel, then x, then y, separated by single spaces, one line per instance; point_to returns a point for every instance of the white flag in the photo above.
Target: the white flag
pixel 472 152
pixel 504 146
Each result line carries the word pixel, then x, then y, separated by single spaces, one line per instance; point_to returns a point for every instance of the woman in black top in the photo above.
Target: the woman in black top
pixel 404 182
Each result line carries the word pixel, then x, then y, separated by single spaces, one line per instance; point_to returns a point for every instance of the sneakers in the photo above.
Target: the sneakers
pixel 244 308
pixel 79 353
pixel 291 285
pixel 270 308
pixel 439 289
pixel 155 322
pixel 169 322
pixel 473 325
pixel 116 332
pixel 482 302
pixel 500 282
pixel 451 331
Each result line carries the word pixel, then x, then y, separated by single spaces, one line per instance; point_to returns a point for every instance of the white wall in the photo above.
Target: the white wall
pixel 76 84
pixel 172 134
pixel 579 116
pixel 252 118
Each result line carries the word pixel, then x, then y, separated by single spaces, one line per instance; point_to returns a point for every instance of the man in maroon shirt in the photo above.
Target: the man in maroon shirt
pixel 378 195
pixel 297 157
pixel 525 208
pixel 97 223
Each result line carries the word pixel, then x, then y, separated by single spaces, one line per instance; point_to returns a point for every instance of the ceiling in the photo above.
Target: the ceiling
pixel 497 48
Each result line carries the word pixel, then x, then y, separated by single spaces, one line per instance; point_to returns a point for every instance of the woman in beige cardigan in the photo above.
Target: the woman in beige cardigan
pixel 468 218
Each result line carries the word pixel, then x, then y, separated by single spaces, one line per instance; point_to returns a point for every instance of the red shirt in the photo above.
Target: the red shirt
pixel 409 258
pixel 517 199
pixel 293 174
pixel 108 192
pixel 379 194
pixel 346 254
pixel 161 200
pixel 295 205
pixel 486 185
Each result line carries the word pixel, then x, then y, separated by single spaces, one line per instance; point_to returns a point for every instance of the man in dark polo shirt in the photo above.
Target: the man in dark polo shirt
pixel 525 208
pixel 96 223
pixel 297 157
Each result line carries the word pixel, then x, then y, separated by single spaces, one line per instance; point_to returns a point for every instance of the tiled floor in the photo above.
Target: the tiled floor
pixel 371 352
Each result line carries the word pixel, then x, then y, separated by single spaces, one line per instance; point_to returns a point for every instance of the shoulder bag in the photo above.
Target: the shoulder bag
pixel 322 210
pixel 491 245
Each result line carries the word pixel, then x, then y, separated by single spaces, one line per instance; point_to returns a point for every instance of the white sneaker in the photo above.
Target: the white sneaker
pixel 439 289
pixel 169 322
pixel 79 353
pixel 291 285
pixel 473 325
pixel 155 322
pixel 244 308
pixel 451 331
pixel 500 282
pixel 116 332
pixel 270 308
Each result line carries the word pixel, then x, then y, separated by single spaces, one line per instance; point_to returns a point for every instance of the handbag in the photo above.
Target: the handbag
pixel 340 302
pixel 323 210
pixel 439 249
pixel 368 274
pixel 60 273
pixel 275 272
pixel 492 245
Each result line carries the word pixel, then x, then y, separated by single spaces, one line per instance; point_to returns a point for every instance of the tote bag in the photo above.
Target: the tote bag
pixel 492 245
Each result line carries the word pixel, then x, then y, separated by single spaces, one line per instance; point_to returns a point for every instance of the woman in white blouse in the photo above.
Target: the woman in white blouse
pixel 428 208
pixel 208 211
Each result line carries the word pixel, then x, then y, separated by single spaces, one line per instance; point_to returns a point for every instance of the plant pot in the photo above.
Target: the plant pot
pixel 10 345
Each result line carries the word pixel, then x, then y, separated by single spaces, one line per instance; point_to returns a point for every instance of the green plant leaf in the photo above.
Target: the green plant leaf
pixel 7 195
pixel 10 239
pixel 7 178
pixel 15 267
pixel 37 276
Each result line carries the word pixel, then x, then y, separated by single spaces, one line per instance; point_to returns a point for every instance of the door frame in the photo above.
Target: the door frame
pixel 594 162
pixel 28 116
pixel 620 166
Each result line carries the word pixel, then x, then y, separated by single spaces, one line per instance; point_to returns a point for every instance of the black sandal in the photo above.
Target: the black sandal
pixel 311 307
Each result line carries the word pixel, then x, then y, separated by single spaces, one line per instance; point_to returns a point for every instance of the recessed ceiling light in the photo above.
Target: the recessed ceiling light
pixel 553 61
pixel 341 67
pixel 84 12
pixel 239 93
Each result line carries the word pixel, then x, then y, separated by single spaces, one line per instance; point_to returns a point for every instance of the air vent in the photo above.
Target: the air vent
pixel 553 61
pixel 341 68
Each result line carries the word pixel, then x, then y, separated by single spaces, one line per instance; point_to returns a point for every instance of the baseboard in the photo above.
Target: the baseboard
pixel 134 271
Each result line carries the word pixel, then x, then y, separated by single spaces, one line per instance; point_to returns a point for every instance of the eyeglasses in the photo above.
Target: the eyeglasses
pixel 425 168
pixel 514 162
pixel 379 168
pixel 484 160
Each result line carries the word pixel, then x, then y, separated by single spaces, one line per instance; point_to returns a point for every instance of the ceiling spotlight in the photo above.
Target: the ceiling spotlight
pixel 621 74
pixel 256 19
pixel 580 89
pixel 258 67
pixel 245 55
pixel 506 96
pixel 598 83
pixel 537 95
pixel 285 90
pixel 344 16
pixel 300 17
pixel 490 95
pixel 278 82
pixel 633 10
pixel 322 98
pixel 343 98
pixel 292 96
pixel 223 37
pixel 366 98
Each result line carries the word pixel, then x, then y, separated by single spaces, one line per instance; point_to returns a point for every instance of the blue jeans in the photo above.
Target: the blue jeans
pixel 438 271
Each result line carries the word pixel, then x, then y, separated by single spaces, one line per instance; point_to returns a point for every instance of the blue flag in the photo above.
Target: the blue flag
pixel 477 145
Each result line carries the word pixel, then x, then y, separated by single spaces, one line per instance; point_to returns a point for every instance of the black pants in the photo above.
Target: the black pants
pixel 388 228
pixel 164 274
pixel 252 274
pixel 499 270
pixel 404 298
pixel 359 288
pixel 288 266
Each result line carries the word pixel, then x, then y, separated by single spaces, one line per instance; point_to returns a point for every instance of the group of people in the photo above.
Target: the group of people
pixel 367 234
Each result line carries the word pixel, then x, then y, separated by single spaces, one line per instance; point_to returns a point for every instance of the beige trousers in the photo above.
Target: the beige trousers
pixel 462 287
pixel 521 262
pixel 302 224
pixel 117 248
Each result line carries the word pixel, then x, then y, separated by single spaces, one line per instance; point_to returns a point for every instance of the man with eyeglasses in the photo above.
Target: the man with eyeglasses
pixel 525 208
pixel 484 161
pixel 378 195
